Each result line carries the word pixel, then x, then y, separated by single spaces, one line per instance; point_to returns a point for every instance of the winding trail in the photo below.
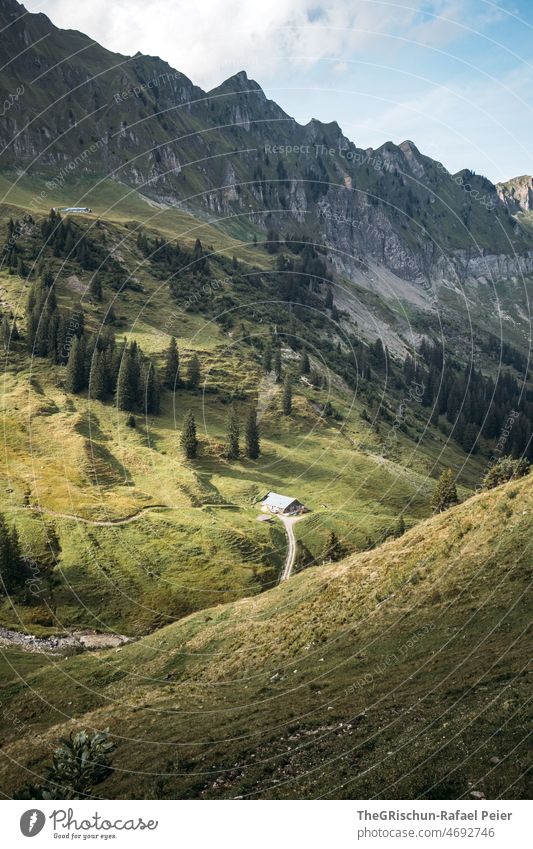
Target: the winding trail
pixel 289 522
pixel 105 522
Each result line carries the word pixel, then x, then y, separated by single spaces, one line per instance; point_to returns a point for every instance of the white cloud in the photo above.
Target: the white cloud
pixel 212 39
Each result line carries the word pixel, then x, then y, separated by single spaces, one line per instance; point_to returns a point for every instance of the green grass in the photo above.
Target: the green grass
pixel 125 206
pixel 398 673
pixel 66 455
pixel 289 691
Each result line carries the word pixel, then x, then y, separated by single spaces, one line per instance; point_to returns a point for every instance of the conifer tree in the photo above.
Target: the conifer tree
pixel 267 358
pixel 188 440
pixel 95 288
pixel 47 278
pixel 305 365
pixel 445 494
pixel 399 530
pixel 286 401
pixel 150 385
pixel 75 374
pixel 98 377
pixel 233 435
pixel 251 434
pixel 172 365
pixel 277 365
pixel 333 550
pixel 11 562
pixel 52 331
pixel 6 331
pixel 193 372
pixel 127 391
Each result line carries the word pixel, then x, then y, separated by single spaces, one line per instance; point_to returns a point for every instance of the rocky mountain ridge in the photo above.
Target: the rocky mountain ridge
pixel 232 155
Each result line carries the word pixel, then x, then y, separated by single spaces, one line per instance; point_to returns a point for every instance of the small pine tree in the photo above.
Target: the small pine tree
pixel 251 435
pixel 188 440
pixel 286 401
pixel 305 365
pixel 399 530
pixel 233 435
pixel 48 278
pixel 172 365
pixel 277 366
pixel 6 331
pixel 445 494
pixel 11 562
pixel 333 550
pixel 193 372
pixel 95 288
pixel 267 358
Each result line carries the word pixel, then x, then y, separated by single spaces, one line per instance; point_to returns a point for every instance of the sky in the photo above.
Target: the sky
pixel 454 76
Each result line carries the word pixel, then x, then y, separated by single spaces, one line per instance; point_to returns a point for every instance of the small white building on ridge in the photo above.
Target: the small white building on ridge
pixel 276 503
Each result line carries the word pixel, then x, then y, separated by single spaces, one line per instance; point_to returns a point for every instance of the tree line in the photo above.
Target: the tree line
pixel 476 405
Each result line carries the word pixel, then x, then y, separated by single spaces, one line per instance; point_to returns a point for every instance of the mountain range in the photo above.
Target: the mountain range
pixel 232 155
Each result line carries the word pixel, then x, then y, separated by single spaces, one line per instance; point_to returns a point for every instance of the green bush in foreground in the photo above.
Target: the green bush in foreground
pixel 81 761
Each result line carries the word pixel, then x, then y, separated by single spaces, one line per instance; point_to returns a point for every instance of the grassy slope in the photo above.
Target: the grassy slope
pixel 68 455
pixel 399 672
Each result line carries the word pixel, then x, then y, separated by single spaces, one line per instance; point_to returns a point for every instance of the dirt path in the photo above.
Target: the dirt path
pixel 105 522
pixel 289 522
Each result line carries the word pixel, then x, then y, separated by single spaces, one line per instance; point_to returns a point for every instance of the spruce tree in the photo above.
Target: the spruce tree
pixel 48 278
pixel 98 377
pixel 251 434
pixel 399 530
pixel 286 401
pixel 150 385
pixel 277 365
pixel 267 358
pixel 445 494
pixel 233 435
pixel 305 366
pixel 52 332
pixel 193 372
pixel 188 440
pixel 11 562
pixel 75 373
pixel 333 550
pixel 172 365
pixel 6 331
pixel 95 288
pixel 127 391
